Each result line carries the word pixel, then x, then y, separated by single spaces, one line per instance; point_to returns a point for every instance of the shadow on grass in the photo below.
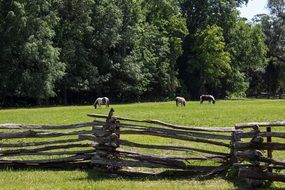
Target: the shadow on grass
pixel 238 183
pixel 242 184
pixel 95 175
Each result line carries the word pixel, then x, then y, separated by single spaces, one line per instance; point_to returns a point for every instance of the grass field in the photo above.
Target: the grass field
pixel 222 114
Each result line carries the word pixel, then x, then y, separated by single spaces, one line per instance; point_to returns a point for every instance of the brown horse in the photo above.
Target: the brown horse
pixel 181 101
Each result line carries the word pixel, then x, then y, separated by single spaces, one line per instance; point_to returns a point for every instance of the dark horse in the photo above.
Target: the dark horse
pixel 99 101
pixel 209 98
pixel 180 100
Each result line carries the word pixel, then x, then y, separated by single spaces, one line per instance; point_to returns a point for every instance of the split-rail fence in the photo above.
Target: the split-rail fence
pixel 147 147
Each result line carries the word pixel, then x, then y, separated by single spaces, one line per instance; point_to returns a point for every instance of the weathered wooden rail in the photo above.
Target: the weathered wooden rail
pixel 45 146
pixel 147 147
pixel 249 146
pixel 183 149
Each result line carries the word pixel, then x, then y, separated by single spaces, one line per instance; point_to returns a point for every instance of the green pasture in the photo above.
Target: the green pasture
pixel 222 114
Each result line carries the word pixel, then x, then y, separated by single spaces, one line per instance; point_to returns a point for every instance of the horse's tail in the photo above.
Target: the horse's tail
pixel 176 99
pixel 201 99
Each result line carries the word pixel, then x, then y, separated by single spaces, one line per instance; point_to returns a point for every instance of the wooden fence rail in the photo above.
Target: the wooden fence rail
pixel 46 145
pixel 250 159
pixel 46 127
pixel 117 154
pixel 260 124
pixel 187 128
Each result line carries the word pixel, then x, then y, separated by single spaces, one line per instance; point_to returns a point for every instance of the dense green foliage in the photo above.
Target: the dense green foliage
pixel 70 51
pixel 273 26
pixel 30 63
pixel 241 50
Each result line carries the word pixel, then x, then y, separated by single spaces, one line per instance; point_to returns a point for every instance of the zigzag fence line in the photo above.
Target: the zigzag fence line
pixel 147 147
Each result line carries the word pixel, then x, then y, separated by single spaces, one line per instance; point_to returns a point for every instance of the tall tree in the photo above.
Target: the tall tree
pixel 273 26
pixel 30 62
pixel 113 36
pixel 248 51
pixel 205 13
pixel 74 38
pixel 212 62
pixel 136 46
pixel 162 30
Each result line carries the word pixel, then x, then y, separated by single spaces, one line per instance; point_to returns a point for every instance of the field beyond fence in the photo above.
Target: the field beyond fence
pixel 104 146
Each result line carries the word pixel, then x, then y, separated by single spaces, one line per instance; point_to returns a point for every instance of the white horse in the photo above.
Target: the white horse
pixel 101 100
pixel 209 98
pixel 181 101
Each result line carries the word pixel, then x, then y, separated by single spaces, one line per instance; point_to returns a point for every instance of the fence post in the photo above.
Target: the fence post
pixel 108 142
pixel 252 155
pixel 235 139
pixel 269 151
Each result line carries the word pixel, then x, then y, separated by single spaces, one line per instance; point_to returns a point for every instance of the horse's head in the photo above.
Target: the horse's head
pixel 106 101
pixel 213 99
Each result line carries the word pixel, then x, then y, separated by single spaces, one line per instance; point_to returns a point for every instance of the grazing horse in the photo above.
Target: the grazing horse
pixel 209 98
pixel 181 101
pixel 99 101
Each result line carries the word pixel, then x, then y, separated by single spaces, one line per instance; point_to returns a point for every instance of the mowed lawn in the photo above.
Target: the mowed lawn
pixel 223 114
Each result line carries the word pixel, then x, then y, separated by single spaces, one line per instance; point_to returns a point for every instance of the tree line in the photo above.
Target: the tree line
pixel 71 51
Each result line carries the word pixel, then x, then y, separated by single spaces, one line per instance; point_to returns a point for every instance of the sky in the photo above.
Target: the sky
pixel 253 7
